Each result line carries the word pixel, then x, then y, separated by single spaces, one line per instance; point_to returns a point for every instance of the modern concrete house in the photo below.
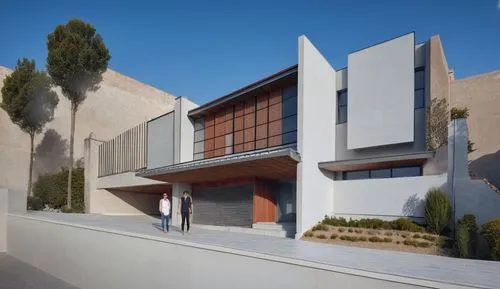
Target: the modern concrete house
pixel 285 151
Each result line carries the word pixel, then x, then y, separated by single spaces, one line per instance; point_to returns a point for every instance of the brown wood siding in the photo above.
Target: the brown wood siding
pixel 254 122
pixel 264 202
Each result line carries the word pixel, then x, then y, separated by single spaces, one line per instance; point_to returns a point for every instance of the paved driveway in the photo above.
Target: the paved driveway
pixel 15 274
pixel 475 273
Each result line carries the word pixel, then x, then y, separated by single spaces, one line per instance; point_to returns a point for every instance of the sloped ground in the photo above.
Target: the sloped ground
pixel 15 274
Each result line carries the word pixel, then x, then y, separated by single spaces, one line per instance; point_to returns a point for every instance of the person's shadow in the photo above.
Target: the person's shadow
pixel 157 225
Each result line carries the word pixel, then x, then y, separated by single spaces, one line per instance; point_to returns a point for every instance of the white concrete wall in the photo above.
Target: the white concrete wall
pixel 381 78
pixel 3 219
pixel 124 180
pixel 120 202
pixel 384 198
pixel 184 130
pixel 316 135
pixel 90 258
pixel 161 141
pixel 469 196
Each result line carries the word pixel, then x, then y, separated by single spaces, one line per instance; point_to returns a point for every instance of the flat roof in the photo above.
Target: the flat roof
pixel 273 163
pixel 241 91
pixel 376 162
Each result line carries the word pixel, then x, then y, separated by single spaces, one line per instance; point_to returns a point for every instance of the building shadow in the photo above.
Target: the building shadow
pixel 488 167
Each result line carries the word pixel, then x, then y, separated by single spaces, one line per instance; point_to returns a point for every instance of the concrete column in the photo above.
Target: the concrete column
pixel 3 219
pixel 177 190
pixel 91 158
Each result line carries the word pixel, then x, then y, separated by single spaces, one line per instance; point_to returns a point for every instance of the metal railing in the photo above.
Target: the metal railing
pixel 124 153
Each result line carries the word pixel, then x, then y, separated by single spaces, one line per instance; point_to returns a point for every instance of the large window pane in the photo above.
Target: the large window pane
pixel 290 92
pixel 199 135
pixel 406 172
pixel 419 98
pixel 198 156
pixel 199 123
pixel 342 98
pixel 356 175
pixel 199 147
pixel 342 114
pixel 289 124
pixel 419 79
pixel 289 107
pixel 380 174
pixel 289 138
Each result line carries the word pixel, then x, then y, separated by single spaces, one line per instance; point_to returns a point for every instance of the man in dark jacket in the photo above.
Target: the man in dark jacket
pixel 186 206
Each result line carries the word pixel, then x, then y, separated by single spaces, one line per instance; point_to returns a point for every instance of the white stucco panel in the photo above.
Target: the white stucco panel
pixel 381 94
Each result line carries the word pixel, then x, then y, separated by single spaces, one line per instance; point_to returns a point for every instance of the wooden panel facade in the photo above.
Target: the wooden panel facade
pixel 252 123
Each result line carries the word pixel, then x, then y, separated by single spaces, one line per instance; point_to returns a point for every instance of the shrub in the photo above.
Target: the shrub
pixel 459 112
pixel 437 210
pixel 417 236
pixel 430 238
pixel 343 237
pixel 375 239
pixel 70 210
pixel 320 227
pixel 350 230
pixel 334 236
pixel 423 244
pixel 362 239
pixel 351 238
pixel 322 236
pixel 405 235
pixel 358 231
pixel 308 234
pixel 410 242
pixel 373 233
pixel 399 224
pixel 397 242
pixel 388 234
pixel 466 236
pixel 34 203
pixel 341 230
pixel 52 189
pixel 387 240
pixel 491 232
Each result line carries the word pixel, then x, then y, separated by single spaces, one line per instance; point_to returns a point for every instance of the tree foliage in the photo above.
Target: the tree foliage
pixel 51 189
pixel 437 124
pixel 76 60
pixel 28 98
pixel 459 112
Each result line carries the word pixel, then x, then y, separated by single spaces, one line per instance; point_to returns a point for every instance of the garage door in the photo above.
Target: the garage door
pixel 223 206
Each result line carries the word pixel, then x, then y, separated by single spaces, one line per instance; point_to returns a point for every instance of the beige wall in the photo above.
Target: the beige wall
pixel 481 94
pixel 119 104
pixel 439 79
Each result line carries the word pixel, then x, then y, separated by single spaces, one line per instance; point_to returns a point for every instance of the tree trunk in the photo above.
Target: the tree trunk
pixel 71 144
pixel 32 156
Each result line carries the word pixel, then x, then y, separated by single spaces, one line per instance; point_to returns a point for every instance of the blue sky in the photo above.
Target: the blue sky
pixel 204 50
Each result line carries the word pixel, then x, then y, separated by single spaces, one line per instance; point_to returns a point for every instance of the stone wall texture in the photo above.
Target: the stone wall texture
pixel 120 103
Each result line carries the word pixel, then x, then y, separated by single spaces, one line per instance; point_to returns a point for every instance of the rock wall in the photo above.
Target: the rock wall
pixel 120 103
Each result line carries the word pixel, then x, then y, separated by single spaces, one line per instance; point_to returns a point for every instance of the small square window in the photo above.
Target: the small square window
pixel 419 79
pixel 342 106
pixel 290 92
pixel 289 138
pixel 289 124
pixel 289 107
pixel 342 114
pixel 419 98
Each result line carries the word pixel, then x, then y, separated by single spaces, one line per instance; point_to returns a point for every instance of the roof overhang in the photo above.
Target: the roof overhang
pixel 274 163
pixel 413 159
pixel 279 78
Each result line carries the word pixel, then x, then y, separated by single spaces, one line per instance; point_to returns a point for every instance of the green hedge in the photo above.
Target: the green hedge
pixel 401 224
pixel 466 236
pixel 491 232
pixel 51 189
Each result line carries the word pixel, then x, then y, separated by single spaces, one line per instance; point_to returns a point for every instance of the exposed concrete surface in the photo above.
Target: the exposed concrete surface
pixel 433 271
pixel 481 94
pixel 119 104
pixel 3 219
pixel 15 274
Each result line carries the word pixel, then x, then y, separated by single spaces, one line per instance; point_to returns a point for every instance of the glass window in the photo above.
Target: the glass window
pixel 419 98
pixel 342 106
pixel 406 172
pixel 289 124
pixel 198 156
pixel 419 79
pixel 199 123
pixel 380 174
pixel 290 92
pixel 289 107
pixel 199 147
pixel 199 135
pixel 356 175
pixel 290 137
